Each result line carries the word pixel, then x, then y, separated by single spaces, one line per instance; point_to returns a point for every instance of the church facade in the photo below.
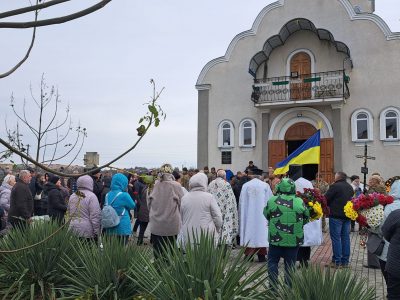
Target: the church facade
pixel 304 63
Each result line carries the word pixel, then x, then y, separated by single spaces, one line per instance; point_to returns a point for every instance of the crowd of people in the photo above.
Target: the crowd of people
pixel 261 212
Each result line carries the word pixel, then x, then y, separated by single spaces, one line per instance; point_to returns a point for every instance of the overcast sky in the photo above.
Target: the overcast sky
pixel 102 65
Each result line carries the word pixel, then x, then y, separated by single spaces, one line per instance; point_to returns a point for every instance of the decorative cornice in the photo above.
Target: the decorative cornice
pixel 202 87
pixel 236 39
pixel 370 17
pixel 346 4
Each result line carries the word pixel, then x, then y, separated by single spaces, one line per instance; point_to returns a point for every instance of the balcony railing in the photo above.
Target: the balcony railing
pixel 324 85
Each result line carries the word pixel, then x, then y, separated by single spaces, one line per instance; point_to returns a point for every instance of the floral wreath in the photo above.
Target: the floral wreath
pixel 390 181
pixel 356 208
pixel 166 168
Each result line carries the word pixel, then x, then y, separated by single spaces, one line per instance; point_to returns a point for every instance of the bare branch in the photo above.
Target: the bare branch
pixel 35 132
pixel 24 10
pixel 79 150
pixel 68 152
pixel 62 139
pixel 59 20
pixel 13 69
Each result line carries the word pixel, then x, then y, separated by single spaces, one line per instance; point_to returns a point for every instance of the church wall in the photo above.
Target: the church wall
pixel 374 80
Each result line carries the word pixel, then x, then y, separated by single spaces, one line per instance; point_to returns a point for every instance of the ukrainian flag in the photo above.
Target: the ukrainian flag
pixel 307 153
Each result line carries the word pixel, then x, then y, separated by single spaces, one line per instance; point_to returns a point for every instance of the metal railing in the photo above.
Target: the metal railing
pixel 332 84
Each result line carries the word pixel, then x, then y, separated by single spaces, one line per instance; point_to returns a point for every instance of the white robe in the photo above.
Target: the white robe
pixel 252 223
pixel 312 230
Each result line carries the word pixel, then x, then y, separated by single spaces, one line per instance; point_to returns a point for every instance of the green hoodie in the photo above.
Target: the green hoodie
pixel 286 215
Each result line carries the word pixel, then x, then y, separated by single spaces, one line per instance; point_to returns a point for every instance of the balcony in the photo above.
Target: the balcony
pixel 296 90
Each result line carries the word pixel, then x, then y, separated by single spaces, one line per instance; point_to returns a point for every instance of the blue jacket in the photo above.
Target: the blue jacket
pixel 119 183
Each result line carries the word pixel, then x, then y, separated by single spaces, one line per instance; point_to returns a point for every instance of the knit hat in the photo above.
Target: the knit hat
pixel 54 179
pixel 286 186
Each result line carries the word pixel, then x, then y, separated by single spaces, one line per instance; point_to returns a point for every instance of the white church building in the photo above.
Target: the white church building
pixel 302 63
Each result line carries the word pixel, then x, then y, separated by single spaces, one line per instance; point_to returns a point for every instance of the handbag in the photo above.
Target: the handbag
pixel 38 196
pixel 375 244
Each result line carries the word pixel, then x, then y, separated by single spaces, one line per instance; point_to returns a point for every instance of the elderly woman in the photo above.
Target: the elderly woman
pixel 122 202
pixel 164 206
pixel 5 192
pixel 200 211
pixel 84 210
pixel 375 185
pixel 223 193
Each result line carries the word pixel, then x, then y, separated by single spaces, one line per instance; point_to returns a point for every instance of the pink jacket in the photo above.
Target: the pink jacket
pixel 85 212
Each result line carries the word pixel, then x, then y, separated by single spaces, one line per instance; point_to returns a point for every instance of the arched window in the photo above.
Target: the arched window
pixel 389 124
pixel 361 126
pixel 247 133
pixel 225 134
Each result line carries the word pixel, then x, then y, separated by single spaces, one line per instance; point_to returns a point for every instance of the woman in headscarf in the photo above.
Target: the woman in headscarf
pixel 375 185
pixel 5 192
pixel 122 202
pixel 164 206
pixel 84 210
pixel 56 206
pixel 200 211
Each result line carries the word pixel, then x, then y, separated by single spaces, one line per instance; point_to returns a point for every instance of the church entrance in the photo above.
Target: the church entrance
pixel 294 137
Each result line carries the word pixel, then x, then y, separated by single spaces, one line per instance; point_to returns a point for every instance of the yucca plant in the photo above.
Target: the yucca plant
pixel 100 273
pixel 34 271
pixel 314 283
pixel 201 271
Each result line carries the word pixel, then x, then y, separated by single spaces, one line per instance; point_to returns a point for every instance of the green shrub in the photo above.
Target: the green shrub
pixel 315 283
pixel 94 273
pixel 203 272
pixel 34 273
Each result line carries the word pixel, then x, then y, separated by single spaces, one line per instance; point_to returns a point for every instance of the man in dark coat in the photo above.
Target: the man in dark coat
pixel 391 232
pixel 56 206
pixel 21 201
pixel 339 225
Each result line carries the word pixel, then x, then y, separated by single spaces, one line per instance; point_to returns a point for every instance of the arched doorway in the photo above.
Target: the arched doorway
pixel 300 65
pixel 294 136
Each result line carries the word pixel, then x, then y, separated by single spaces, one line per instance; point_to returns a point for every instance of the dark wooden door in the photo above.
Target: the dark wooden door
pixel 276 152
pixel 327 159
pixel 300 64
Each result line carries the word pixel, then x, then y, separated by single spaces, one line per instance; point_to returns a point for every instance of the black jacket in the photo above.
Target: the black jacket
pixel 337 196
pixel 56 206
pixel 21 202
pixel 391 232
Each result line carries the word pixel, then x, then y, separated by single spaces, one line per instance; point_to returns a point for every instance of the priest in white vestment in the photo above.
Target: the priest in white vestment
pixel 312 230
pixel 252 223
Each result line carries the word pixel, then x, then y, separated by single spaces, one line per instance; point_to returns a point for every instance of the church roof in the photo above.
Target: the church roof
pixel 286 31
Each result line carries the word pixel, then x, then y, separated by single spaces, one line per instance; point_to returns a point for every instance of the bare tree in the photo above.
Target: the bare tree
pixel 42 5
pixel 54 135
pixel 153 117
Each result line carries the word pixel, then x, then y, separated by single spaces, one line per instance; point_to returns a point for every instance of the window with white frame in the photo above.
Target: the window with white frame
pixel 389 124
pixel 362 126
pixel 247 133
pixel 226 134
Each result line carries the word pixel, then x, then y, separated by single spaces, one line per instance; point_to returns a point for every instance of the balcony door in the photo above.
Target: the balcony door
pixel 300 68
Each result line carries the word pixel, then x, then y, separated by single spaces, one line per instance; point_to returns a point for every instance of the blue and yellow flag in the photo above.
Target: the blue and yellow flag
pixel 307 153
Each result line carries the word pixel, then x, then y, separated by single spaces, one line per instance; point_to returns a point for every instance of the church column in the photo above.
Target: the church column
pixel 265 117
pixel 202 125
pixel 337 136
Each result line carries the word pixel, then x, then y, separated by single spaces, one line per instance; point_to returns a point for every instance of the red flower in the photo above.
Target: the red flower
pixel 361 220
